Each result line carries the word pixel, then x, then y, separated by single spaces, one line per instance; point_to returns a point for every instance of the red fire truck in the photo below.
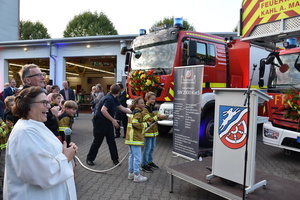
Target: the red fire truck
pixel 274 24
pixel 228 63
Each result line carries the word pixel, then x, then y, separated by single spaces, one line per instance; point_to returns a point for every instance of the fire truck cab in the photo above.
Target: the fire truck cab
pixel 275 25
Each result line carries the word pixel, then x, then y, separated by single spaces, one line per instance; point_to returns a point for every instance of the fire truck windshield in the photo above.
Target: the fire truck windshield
pixel 280 78
pixel 159 58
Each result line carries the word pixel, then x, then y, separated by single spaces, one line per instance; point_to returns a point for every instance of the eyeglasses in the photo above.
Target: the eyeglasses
pixel 45 102
pixel 38 74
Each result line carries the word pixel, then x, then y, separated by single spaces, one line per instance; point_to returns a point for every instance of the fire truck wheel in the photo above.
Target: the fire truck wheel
pixel 207 130
pixel 164 129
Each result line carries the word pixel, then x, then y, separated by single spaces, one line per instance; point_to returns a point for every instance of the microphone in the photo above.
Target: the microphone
pixel 68 132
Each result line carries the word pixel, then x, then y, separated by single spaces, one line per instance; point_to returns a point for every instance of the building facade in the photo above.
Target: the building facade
pixel 83 61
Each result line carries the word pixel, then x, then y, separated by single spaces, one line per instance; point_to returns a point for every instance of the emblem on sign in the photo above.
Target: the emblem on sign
pixel 188 73
pixel 233 126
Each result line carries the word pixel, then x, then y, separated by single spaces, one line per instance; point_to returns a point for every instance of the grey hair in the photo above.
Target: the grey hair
pixel 25 71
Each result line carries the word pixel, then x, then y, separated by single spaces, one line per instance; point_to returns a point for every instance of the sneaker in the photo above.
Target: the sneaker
pixel 139 178
pixel 153 165
pixel 147 168
pixel 130 176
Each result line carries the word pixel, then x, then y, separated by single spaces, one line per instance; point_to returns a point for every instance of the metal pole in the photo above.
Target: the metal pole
pixel 247 100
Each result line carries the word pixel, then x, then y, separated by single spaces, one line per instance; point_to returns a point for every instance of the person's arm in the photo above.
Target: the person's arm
pixel 5 93
pixel 123 109
pixel 104 111
pixel 71 95
pixel 55 111
pixel 62 92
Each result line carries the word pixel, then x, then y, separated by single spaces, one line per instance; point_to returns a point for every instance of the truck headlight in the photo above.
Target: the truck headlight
pixel 271 134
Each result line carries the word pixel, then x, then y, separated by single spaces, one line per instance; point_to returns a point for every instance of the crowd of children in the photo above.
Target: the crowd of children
pixel 142 129
pixel 60 115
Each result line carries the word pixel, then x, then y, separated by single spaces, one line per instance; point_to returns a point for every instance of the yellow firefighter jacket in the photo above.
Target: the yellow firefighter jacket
pixel 152 118
pixel 136 127
pixel 4 133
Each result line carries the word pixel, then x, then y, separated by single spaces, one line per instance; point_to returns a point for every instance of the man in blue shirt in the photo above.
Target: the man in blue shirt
pixel 104 123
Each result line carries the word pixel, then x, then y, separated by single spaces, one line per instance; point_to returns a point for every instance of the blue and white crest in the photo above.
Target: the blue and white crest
pixel 232 127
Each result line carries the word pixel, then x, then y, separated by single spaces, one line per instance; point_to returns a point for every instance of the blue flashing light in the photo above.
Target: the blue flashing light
pixel 292 42
pixel 178 22
pixel 142 31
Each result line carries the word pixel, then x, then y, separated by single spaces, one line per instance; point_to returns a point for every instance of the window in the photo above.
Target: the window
pixel 206 54
pixel 211 54
pixel 201 54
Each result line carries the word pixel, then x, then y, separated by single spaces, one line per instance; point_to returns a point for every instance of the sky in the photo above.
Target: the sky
pixel 128 17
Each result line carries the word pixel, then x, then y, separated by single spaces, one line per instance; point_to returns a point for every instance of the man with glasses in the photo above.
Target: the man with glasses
pixel 32 75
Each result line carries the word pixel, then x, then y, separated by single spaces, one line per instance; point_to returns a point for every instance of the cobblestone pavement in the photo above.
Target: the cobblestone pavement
pixel 115 185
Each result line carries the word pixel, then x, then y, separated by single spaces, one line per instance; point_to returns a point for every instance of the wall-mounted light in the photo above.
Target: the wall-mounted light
pixel 25 49
pixel 90 68
pixel 88 46
pixel 73 78
pixel 17 65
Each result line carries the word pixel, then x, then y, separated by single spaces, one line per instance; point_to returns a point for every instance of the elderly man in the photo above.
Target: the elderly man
pixel 67 92
pixel 32 75
pixel 48 89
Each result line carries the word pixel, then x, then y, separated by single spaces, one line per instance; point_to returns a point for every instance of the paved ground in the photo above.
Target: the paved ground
pixel 114 184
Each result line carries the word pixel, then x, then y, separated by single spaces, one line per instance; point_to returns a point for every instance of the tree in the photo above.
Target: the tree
pixel 90 24
pixel 235 29
pixel 33 30
pixel 170 21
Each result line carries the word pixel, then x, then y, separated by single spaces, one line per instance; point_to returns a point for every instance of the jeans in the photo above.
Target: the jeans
pixel 150 143
pixel 134 160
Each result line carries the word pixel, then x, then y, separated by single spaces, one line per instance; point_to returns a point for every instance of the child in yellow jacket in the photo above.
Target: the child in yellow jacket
pixel 5 129
pixel 135 139
pixel 150 135
pixel 66 119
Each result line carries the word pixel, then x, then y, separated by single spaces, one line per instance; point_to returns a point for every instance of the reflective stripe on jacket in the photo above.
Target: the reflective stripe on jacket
pixel 64 121
pixel 153 117
pixel 136 128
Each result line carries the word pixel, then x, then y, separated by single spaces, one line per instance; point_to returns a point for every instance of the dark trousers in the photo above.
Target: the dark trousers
pixel 101 129
pixel 122 117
